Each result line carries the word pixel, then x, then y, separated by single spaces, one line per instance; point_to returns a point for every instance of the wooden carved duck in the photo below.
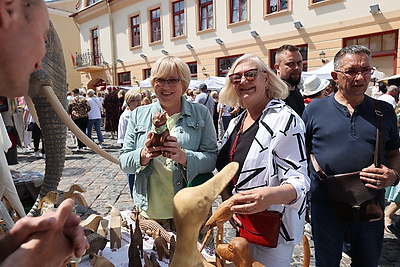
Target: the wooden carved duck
pixel 191 207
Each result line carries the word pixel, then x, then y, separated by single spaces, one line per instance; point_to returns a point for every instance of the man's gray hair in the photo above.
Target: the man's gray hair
pixel 351 49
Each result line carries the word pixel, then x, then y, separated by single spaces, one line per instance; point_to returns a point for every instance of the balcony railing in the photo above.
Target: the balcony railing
pixel 87 59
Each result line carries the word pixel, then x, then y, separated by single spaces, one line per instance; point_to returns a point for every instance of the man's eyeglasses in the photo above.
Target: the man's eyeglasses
pixel 171 82
pixel 249 75
pixel 354 72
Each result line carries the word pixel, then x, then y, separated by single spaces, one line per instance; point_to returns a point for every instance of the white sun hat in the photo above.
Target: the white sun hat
pixel 312 85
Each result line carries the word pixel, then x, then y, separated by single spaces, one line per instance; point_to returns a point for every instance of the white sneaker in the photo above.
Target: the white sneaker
pixel 80 149
pixel 37 154
pixel 101 146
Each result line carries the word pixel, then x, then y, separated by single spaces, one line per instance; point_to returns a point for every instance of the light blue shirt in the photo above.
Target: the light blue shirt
pixel 195 133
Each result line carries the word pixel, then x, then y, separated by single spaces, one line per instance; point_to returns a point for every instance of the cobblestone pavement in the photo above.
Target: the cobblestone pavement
pixel 106 183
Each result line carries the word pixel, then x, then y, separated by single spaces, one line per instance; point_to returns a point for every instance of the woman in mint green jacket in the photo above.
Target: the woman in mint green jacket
pixel 190 150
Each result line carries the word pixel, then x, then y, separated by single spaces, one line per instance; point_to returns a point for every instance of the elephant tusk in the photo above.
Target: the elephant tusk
pixel 32 109
pixel 59 109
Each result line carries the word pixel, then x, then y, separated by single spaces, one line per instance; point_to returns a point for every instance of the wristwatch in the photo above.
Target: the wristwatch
pixel 397 178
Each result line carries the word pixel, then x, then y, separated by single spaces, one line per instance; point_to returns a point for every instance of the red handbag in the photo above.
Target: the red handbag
pixel 261 228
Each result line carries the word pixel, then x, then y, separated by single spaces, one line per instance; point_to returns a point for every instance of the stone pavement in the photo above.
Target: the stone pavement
pixel 106 183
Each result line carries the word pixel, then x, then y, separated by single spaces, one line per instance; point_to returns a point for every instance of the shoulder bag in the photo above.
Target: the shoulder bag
pixel 352 200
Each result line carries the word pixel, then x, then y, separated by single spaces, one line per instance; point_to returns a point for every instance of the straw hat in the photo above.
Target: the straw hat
pixel 312 85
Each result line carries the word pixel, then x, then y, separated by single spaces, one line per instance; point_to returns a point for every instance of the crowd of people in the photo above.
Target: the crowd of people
pixel 271 133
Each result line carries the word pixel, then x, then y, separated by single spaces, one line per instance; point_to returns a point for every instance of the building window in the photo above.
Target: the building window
pixel 155 25
pixel 206 14
pixel 303 51
pixel 95 47
pixel 193 70
pixel 146 73
pixel 224 64
pixel 124 78
pixel 135 31
pixel 178 10
pixel 383 47
pixel 276 6
pixel 238 10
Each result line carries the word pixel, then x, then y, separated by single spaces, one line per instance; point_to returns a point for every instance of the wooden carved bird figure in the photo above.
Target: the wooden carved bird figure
pixel 191 206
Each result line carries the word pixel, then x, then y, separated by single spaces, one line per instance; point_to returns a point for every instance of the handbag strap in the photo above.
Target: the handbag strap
pixel 378 144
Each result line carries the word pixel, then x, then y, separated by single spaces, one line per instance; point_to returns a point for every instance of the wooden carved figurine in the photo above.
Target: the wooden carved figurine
pixel 48 202
pixel 172 245
pixel 237 251
pixel 92 222
pixel 96 243
pixel 115 228
pixel 150 226
pixel 153 260
pixel 100 261
pixel 133 252
pixel 102 229
pixel 76 196
pixel 136 236
pixel 160 131
pixel 221 215
pixel 160 245
pixel 191 207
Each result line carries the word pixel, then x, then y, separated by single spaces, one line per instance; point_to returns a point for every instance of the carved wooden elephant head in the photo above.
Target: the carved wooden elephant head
pixel 46 86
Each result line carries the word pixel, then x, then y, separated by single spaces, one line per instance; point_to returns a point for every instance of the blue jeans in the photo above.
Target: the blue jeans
pixel 362 240
pixel 96 123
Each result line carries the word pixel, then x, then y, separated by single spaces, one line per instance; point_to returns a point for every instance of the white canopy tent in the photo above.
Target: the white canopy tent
pixel 212 82
pixel 323 72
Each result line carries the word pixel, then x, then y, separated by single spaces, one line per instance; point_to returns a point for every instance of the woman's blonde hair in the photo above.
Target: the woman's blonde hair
pixel 275 87
pixel 132 95
pixel 166 66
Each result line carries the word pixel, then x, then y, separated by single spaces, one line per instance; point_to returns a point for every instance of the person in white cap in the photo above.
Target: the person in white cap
pixel 314 87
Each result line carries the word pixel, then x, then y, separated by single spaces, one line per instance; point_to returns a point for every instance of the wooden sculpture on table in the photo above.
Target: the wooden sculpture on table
pixel 100 261
pixel 160 130
pixel 172 245
pixel 160 245
pixel 48 202
pixel 76 196
pixel 150 226
pixel 237 251
pixel 102 229
pixel 96 243
pixel 92 222
pixel 115 228
pixel 221 215
pixel 136 236
pixel 191 207
pixel 133 253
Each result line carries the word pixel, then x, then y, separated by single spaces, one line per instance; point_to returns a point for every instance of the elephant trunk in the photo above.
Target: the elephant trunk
pixel 54 132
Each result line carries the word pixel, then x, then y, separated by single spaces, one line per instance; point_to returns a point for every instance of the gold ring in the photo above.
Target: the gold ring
pixel 378 182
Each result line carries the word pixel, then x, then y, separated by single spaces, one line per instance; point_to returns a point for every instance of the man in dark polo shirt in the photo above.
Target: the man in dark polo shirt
pixel 288 66
pixel 341 133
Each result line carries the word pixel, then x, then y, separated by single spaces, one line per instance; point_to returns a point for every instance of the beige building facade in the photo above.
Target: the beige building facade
pixel 68 32
pixel 121 39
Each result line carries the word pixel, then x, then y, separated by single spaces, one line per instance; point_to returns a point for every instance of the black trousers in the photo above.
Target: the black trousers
pixel 82 124
pixel 37 136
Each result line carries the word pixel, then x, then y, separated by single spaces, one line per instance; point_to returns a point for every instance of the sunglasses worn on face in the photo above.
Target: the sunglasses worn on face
pixel 171 82
pixel 249 75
